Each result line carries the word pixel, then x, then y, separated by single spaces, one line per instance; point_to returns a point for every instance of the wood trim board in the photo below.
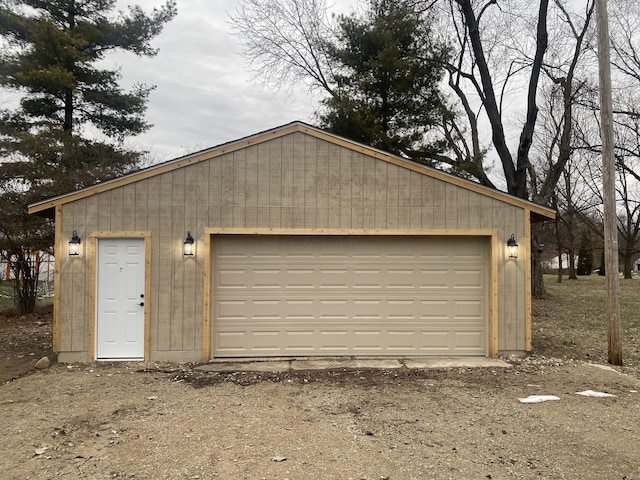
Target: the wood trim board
pixel 528 346
pixel 92 250
pixel 494 256
pixel 494 343
pixel 91 317
pixel 206 307
pixel 57 254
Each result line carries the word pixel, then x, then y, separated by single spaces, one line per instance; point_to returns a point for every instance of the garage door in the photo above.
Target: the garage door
pixel 349 295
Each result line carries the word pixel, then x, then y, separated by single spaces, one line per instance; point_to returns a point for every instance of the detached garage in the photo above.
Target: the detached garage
pixel 291 242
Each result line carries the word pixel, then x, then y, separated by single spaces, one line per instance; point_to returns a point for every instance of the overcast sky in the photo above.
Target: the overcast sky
pixel 204 92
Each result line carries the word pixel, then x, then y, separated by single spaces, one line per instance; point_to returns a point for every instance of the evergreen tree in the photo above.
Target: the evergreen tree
pixel 585 257
pixel 51 61
pixel 601 271
pixel 388 89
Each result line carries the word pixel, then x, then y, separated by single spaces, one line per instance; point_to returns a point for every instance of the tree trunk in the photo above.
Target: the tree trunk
pixel 558 242
pixel 572 264
pixel 526 136
pixel 537 278
pixel 491 106
pixel 559 266
pixel 627 262
pixel 25 283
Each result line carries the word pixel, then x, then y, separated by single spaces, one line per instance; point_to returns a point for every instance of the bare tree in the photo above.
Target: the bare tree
pixel 562 73
pixel 517 61
pixel 514 167
pixel 487 68
pixel 286 42
pixel 625 58
pixel 290 42
pixel 627 140
pixel 573 205
pixel 628 220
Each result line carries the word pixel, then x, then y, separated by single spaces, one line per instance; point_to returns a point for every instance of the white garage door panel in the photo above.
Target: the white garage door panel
pixel 279 296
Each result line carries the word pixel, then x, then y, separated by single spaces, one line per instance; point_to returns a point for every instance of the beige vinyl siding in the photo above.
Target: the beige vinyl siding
pixel 296 181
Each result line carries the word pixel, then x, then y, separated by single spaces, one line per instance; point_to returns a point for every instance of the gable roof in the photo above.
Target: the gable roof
pixel 46 208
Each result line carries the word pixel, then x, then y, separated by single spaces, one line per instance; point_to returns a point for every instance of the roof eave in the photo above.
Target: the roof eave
pixel 44 212
pixel 46 208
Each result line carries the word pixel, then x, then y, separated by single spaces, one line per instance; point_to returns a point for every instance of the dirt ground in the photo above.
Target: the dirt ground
pixel 162 421
pixel 23 341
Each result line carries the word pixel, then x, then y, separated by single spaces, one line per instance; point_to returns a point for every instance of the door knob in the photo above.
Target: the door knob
pixel 142 304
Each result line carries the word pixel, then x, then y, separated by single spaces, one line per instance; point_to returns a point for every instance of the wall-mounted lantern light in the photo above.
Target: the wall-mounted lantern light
pixel 188 245
pixel 512 246
pixel 74 244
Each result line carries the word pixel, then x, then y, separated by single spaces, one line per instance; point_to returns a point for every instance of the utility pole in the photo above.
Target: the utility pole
pixel 608 187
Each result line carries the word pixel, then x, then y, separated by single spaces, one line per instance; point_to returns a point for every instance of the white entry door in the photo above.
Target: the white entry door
pixel 120 294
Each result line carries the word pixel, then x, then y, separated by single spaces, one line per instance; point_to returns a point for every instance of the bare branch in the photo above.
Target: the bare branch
pixel 286 42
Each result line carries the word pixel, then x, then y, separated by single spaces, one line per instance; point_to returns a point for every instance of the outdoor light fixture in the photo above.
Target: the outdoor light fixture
pixel 74 244
pixel 512 246
pixel 188 245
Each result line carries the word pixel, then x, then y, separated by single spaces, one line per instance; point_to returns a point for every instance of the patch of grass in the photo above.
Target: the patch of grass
pixel 572 322
pixel 44 305
pixel 6 295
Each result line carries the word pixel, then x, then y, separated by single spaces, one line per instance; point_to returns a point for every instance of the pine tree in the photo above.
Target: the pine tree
pixel 51 62
pixel 388 92
pixel 585 257
pixel 601 271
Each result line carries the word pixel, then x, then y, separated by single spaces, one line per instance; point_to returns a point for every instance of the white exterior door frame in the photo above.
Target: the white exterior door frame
pixel 119 296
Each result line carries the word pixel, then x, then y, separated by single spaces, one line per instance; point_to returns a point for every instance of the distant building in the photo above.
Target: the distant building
pixel 551 265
